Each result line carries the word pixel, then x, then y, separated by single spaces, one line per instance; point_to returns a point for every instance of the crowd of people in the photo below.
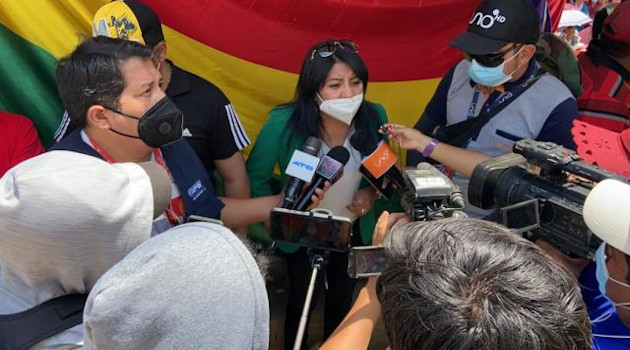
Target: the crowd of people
pixel 97 251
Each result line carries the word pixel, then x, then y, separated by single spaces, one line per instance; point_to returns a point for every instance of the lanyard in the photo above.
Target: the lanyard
pixel 156 152
pixel 496 98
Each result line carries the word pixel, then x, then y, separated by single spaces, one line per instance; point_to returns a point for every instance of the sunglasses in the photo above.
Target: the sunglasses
pixel 491 59
pixel 329 48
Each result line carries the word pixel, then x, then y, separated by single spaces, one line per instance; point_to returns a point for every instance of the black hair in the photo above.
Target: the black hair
pixel 470 284
pixel 305 120
pixel 91 74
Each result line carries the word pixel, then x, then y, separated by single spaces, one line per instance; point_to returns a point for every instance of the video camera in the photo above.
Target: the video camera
pixel 430 194
pixel 546 204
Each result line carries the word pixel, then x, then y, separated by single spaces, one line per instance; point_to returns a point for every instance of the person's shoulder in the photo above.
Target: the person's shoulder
pixel 280 115
pixel 455 79
pixel 377 107
pixel 459 69
pixel 203 90
pixel 12 120
pixel 552 88
pixel 71 142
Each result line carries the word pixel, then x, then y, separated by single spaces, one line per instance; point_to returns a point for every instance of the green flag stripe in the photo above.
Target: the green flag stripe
pixel 27 83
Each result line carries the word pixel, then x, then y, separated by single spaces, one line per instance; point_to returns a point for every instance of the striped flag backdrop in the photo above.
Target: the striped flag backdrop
pixel 251 49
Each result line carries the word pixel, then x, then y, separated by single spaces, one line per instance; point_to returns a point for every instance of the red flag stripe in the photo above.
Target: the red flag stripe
pixel 405 40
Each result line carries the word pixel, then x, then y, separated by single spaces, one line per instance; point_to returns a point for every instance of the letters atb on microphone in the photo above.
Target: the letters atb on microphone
pixel 301 169
pixel 302 166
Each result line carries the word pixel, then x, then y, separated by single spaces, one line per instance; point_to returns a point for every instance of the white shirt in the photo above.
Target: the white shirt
pixel 342 192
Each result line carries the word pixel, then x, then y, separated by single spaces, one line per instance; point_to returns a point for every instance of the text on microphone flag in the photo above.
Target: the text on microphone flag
pixel 381 160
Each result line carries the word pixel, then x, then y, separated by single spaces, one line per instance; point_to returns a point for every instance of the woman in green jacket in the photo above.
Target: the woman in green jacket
pixel 329 105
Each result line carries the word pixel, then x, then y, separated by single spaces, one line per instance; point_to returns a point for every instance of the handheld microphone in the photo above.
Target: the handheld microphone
pixel 379 164
pixel 301 168
pixel 328 169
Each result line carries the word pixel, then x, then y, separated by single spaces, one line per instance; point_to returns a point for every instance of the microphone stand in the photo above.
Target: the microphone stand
pixel 317 262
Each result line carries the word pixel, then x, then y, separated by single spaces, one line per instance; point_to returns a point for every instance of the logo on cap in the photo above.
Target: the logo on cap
pixel 487 21
pixel 123 27
pixel 117 20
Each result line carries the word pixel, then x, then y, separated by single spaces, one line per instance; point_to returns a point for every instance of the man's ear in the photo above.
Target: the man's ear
pixel 97 117
pixel 528 51
pixel 160 51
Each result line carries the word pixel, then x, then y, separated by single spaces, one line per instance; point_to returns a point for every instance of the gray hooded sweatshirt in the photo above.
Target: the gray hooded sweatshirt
pixel 195 286
pixel 65 219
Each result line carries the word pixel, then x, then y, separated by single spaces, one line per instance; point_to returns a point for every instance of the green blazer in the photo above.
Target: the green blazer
pixel 272 149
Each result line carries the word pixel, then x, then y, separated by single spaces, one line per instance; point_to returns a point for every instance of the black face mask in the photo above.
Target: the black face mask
pixel 159 126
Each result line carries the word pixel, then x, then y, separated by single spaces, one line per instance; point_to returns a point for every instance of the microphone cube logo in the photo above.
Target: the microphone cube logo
pixel 329 167
pixel 302 166
pixel 381 160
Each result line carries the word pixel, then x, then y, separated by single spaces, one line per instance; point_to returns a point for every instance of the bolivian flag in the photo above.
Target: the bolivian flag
pixel 251 49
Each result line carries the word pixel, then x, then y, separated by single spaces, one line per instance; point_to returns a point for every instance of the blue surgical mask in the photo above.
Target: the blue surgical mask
pixel 490 76
pixel 601 273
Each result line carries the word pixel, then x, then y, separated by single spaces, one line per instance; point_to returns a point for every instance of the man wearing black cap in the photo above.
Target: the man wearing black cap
pixel 211 125
pixel 500 90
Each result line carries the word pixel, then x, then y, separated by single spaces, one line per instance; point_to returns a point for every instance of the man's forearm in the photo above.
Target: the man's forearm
pixel 237 188
pixel 239 212
pixel 355 331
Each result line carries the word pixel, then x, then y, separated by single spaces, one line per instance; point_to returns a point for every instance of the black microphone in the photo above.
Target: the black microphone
pixel 301 169
pixel 328 169
pixel 378 164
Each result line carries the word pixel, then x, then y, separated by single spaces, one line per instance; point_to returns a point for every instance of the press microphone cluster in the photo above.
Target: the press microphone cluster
pixel 330 169
pixel 379 164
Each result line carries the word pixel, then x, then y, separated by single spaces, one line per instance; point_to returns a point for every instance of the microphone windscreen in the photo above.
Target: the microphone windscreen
pixel 340 154
pixel 161 186
pixel 312 146
pixel 363 141
pixel 606 213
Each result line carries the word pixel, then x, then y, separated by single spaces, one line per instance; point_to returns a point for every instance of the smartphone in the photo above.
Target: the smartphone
pixel 366 261
pixel 311 230
pixel 195 218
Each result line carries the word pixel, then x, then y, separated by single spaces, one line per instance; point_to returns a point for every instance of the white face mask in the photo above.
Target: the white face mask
pixel 603 277
pixel 342 109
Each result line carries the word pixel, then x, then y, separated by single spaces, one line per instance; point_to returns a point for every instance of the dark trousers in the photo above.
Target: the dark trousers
pixel 338 296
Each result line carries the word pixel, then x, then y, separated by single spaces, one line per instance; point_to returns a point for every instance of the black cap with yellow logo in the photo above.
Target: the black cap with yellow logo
pixel 129 20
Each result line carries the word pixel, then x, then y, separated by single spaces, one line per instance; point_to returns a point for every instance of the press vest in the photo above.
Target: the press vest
pixel 523 118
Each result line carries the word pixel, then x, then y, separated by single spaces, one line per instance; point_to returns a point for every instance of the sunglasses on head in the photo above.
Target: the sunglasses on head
pixel 328 48
pixel 492 59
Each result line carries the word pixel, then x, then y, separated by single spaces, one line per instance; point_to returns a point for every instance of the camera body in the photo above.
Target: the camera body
pixel 548 204
pixel 430 194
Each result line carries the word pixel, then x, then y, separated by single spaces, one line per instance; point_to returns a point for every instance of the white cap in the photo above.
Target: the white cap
pixel 607 213
pixel 65 219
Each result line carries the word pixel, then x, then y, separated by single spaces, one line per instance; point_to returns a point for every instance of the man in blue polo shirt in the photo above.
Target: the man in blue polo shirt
pixel 499 75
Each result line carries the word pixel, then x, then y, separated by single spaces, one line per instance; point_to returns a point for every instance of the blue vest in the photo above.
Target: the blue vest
pixel 188 173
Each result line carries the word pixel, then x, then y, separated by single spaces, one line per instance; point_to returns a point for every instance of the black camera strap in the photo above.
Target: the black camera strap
pixel 458 134
pixel 27 328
